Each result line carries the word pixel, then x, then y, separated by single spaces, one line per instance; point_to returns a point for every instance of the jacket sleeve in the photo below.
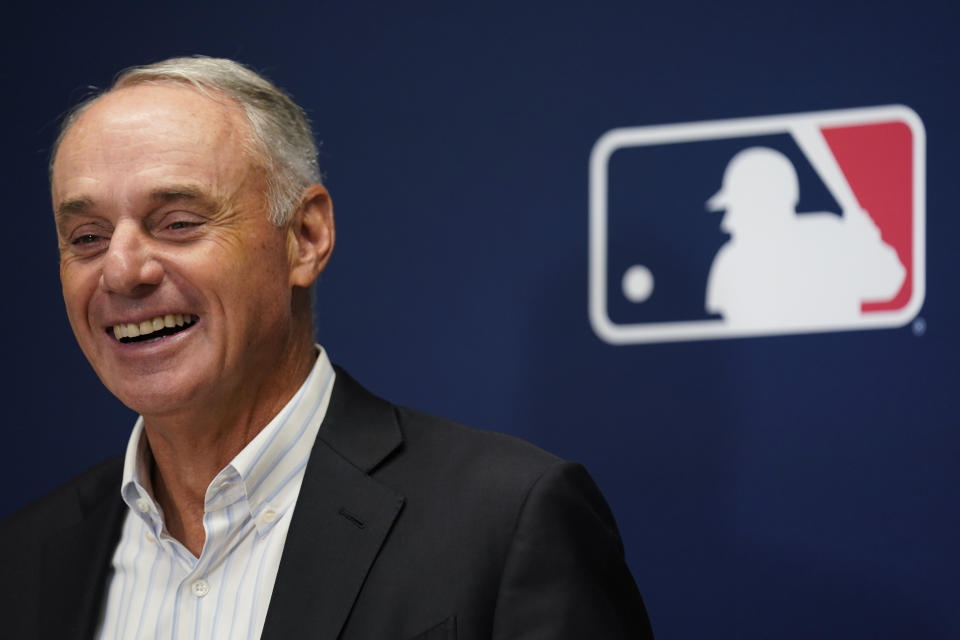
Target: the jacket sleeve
pixel 565 574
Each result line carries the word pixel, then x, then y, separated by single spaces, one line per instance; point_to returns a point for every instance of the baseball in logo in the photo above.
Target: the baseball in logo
pixel 757 226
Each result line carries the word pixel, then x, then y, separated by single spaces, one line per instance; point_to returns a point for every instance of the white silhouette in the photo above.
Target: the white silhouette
pixel 782 270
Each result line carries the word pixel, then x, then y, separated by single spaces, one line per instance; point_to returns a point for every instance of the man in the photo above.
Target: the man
pixel 265 494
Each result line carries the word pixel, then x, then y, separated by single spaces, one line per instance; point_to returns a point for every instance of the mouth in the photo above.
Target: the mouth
pixel 153 328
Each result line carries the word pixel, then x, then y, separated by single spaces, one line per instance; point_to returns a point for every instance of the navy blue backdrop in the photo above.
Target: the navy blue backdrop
pixel 792 486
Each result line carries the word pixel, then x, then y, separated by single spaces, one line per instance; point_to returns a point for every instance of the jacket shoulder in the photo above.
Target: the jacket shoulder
pixel 394 441
pixel 64 505
pixel 475 482
pixel 435 435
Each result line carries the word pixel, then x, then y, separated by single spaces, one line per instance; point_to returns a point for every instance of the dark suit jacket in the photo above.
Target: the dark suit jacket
pixel 407 527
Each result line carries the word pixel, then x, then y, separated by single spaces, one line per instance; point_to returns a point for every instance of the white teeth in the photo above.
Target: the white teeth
pixel 146 327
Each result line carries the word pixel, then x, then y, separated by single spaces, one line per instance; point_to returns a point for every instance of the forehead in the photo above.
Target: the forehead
pixel 148 131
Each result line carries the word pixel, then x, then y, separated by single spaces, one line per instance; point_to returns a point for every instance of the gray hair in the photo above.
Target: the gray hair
pixel 281 137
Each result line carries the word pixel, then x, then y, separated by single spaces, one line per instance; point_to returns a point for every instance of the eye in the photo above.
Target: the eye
pixel 178 225
pixel 88 244
pixel 87 238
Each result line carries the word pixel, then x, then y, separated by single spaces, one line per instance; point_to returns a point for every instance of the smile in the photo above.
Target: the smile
pixel 152 329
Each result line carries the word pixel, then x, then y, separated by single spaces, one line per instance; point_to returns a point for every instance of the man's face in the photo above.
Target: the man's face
pixel 161 215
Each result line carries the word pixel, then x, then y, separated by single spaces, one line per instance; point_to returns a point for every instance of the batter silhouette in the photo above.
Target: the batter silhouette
pixel 781 269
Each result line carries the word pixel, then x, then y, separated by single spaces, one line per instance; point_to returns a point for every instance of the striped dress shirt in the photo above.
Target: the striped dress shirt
pixel 160 590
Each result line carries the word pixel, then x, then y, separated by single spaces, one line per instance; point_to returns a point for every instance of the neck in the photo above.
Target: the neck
pixel 191 447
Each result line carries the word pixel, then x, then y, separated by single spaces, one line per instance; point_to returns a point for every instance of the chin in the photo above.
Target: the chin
pixel 153 397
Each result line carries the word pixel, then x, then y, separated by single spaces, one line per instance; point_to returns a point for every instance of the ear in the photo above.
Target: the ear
pixel 310 236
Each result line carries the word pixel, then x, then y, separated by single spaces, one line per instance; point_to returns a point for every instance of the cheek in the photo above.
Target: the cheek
pixel 268 262
pixel 78 285
pixel 251 281
pixel 263 288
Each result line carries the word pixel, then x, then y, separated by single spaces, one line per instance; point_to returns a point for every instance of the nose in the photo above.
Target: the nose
pixel 130 267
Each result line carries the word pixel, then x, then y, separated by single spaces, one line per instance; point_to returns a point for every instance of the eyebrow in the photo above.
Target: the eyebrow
pixel 176 193
pixel 73 206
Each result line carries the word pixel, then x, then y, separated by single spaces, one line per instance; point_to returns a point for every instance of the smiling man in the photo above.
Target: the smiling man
pixel 264 493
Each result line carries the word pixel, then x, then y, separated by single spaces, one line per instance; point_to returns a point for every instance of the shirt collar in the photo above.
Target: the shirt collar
pixel 266 473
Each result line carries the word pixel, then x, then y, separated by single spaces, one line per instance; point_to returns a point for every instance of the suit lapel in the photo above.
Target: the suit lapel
pixel 341 519
pixel 76 562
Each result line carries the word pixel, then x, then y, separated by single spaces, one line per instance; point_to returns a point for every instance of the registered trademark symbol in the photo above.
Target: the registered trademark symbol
pixel 919 327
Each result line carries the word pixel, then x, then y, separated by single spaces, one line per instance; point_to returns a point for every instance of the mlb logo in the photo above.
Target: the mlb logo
pixel 773 225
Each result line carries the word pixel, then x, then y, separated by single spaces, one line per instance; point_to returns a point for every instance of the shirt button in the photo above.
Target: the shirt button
pixel 200 588
pixel 150 538
pixel 268 515
pixel 143 505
